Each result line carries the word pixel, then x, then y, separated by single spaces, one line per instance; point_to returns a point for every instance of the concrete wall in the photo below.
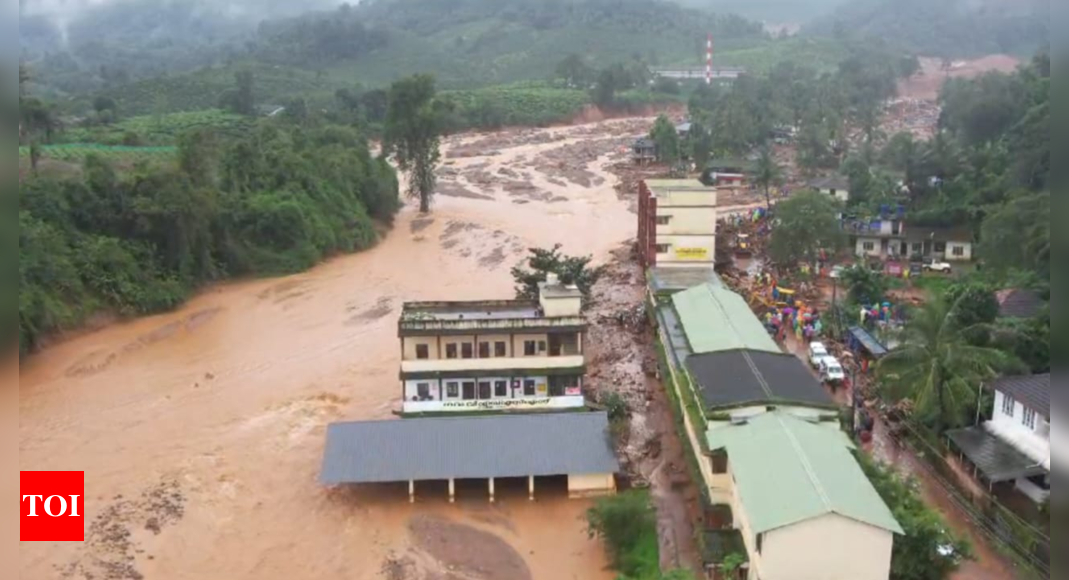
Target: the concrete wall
pixel 964 247
pixel 874 252
pixel 827 548
pixel 562 306
pixel 839 194
pixel 687 220
pixel 493 364
pixel 599 484
pixel 687 250
pixel 676 198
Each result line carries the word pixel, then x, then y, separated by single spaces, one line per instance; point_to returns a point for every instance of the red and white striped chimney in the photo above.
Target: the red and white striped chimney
pixel 709 60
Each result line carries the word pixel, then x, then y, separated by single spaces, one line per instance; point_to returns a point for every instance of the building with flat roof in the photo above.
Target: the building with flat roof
pixel 677 223
pixel 800 501
pixel 494 355
pixel 492 447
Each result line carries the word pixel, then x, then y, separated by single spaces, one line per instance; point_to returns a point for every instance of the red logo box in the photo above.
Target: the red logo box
pixel 53 506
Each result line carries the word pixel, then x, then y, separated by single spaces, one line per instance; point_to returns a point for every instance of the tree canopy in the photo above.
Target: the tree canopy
pixel 414 120
pixel 805 225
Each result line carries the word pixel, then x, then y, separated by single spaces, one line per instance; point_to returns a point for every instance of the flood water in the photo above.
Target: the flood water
pixel 201 431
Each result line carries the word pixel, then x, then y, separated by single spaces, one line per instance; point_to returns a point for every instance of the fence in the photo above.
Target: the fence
pixel 1027 544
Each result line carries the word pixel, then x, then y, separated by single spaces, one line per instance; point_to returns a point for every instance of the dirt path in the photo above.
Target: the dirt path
pixel 988 564
pixel 623 361
pixel 201 431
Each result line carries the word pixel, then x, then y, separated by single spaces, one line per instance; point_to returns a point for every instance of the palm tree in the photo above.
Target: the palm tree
pixel 767 173
pixel 938 367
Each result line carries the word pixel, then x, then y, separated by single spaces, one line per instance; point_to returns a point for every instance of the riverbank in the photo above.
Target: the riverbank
pixel 201 430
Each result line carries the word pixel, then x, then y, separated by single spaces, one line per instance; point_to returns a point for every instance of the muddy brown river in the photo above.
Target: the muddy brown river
pixel 201 431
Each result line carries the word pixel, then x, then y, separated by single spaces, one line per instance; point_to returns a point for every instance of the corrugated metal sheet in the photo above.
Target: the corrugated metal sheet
pixel 468 448
pixel 789 470
pixel 997 460
pixel 1032 391
pixel 740 377
pixel 717 319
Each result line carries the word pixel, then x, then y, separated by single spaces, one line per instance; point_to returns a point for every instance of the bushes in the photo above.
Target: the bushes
pixel 276 201
pixel 628 526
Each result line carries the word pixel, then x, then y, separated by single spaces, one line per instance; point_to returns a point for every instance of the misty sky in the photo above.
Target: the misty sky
pixel 68 10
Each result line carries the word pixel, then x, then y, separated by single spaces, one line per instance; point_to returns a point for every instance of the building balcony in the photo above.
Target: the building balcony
pixel 505 365
pixel 476 323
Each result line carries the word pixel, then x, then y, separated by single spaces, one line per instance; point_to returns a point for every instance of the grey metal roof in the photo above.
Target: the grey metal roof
pixel 468 448
pixel 873 346
pixel 670 280
pixel 837 182
pixel 1032 391
pixel 1019 303
pixel 998 460
pixel 742 377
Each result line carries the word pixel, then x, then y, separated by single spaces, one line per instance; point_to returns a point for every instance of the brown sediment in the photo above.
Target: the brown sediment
pixel 229 396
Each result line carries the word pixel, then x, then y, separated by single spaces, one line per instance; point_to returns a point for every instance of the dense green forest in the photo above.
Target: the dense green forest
pixel 137 241
pixel 951 28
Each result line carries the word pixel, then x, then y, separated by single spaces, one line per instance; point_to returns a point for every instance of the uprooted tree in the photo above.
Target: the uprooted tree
pixel 569 269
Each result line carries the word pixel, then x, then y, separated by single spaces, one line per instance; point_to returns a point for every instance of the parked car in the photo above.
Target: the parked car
pixel 817 352
pixel 831 371
pixel 941 267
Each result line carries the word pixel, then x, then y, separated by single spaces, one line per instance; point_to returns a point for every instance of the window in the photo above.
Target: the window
pixel 663 220
pixel 484 350
pixel 501 389
pixel 918 248
pixel 500 349
pixel 940 247
pixel 530 348
pixel 1007 405
pixel 423 351
pixel 467 350
pixel 528 388
pixel 896 228
pixel 760 543
pixel 469 391
pixel 424 391
pixel 719 461
pixel 452 390
pixel 485 390
pixel 541 346
pixel 1029 419
pixel 958 251
pixel 451 351
pixel 664 248
pixel 869 246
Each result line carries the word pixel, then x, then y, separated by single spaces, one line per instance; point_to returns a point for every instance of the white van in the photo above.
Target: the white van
pixel 831 371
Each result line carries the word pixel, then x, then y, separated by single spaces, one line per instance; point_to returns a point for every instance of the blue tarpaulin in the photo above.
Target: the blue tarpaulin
pixel 861 339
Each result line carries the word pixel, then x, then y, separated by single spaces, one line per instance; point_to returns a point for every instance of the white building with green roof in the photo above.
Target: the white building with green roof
pixel 804 507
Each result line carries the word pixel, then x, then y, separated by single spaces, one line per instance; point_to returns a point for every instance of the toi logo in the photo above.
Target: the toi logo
pixel 53 506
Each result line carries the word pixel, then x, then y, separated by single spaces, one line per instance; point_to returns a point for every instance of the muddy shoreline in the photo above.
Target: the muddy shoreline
pixel 224 402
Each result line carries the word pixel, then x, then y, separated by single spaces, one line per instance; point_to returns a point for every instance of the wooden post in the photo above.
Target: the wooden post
pixel 530 488
pixel 491 490
pixel 452 490
pixel 411 491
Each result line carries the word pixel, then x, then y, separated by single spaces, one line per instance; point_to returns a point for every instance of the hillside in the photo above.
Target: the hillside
pixel 951 28
pixel 770 11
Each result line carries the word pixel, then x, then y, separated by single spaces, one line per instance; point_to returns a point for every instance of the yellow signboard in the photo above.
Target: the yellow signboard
pixel 695 254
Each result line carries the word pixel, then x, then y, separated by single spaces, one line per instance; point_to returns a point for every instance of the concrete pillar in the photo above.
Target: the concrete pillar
pixel 452 491
pixel 411 491
pixel 491 490
pixel 530 488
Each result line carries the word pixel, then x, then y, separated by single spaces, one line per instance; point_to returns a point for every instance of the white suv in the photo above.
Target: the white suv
pixel 831 371
pixel 817 352
pixel 942 267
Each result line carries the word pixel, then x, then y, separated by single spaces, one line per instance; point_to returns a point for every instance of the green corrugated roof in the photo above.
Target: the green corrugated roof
pixel 716 319
pixel 789 470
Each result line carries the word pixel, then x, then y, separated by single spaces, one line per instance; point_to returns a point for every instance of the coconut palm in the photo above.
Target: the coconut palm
pixel 938 365
pixel 767 173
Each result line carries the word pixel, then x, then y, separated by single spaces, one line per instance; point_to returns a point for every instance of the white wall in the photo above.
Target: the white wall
pixel 687 250
pixel 874 252
pixel 831 547
pixel 594 485
pixel 839 194
pixel 966 251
